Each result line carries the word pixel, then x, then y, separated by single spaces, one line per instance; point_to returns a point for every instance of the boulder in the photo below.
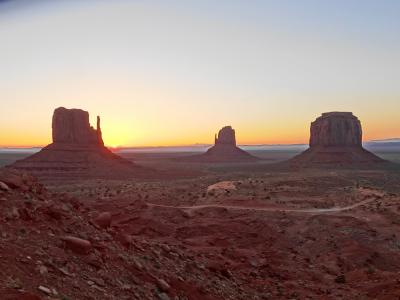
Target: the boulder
pixel 16 180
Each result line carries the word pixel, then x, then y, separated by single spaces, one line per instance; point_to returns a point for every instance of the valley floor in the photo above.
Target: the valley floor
pixel 229 233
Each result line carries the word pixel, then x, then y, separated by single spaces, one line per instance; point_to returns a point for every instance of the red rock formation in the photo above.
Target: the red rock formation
pixel 336 138
pixel 226 136
pixel 224 150
pixel 77 151
pixel 336 129
pixel 71 126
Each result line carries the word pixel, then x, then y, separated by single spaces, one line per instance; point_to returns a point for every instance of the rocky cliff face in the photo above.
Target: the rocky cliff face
pixel 226 136
pixel 71 126
pixel 336 129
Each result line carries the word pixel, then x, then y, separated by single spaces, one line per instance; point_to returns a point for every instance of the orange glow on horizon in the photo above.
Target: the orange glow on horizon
pixel 164 128
pixel 23 140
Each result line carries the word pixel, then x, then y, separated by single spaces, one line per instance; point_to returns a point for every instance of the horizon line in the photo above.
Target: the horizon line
pixel 188 145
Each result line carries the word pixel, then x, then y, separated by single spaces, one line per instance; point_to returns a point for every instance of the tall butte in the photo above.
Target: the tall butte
pixel 71 126
pixel 224 150
pixel 336 139
pixel 77 151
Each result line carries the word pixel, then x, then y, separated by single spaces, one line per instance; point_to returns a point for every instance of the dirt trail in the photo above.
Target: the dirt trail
pixel 271 209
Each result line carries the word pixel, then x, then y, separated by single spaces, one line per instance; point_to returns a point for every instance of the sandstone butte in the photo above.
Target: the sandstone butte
pixel 336 139
pixel 224 150
pixel 77 151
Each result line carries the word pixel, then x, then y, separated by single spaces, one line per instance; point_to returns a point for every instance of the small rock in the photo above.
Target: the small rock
pixel 14 214
pixel 124 239
pixel 43 270
pixel 89 282
pixel 103 220
pixel 340 279
pixel 94 261
pixel 77 245
pixel 65 272
pixel 99 282
pixel 163 296
pixel 163 285
pixel 65 208
pixel 4 186
pixel 166 248
pixel 126 287
pixel 44 290
pixel 137 264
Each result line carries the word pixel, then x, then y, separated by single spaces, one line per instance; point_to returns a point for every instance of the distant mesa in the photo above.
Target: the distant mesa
pixel 223 151
pixel 77 151
pixel 226 136
pixel 336 138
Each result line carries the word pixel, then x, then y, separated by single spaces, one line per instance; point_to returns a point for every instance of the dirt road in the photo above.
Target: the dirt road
pixel 307 210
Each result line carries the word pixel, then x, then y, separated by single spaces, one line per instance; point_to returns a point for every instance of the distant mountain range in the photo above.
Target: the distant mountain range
pixel 386 145
pixel 392 140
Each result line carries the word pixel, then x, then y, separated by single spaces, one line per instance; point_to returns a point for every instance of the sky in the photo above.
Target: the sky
pixel 174 72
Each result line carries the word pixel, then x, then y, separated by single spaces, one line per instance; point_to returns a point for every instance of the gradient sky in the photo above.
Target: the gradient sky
pixel 174 72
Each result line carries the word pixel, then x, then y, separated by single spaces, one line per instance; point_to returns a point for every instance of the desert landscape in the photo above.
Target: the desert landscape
pixel 178 228
pixel 199 150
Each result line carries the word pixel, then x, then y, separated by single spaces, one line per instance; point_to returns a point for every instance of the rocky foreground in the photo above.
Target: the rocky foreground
pixel 127 240
pixel 54 247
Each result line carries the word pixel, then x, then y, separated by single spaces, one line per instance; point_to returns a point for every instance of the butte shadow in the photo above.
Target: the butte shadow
pixel 78 152
pixel 224 150
pixel 336 141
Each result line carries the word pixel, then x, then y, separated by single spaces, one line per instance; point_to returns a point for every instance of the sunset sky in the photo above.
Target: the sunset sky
pixel 174 72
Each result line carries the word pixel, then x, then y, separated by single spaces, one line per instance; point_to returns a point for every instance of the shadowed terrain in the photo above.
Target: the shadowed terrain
pixel 224 235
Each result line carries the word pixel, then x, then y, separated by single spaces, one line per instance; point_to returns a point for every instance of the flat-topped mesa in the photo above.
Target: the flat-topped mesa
pixel 71 126
pixel 336 140
pixel 226 136
pixel 336 129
